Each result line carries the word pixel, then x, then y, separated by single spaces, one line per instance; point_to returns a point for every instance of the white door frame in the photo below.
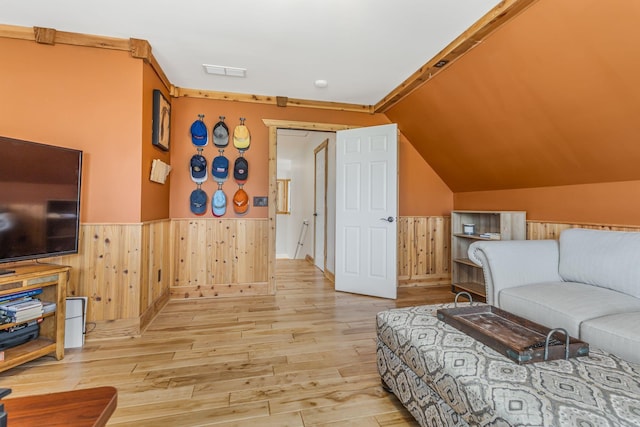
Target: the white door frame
pixel 273 126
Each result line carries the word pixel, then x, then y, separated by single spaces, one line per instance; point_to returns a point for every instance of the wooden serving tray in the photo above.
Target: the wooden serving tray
pixel 519 339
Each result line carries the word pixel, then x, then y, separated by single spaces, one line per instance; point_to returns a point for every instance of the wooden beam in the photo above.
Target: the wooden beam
pixel 16 32
pixel 478 32
pixel 273 100
pixel 281 101
pixel 140 49
pixel 44 35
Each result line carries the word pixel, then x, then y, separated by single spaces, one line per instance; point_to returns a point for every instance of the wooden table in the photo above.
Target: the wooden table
pixel 77 408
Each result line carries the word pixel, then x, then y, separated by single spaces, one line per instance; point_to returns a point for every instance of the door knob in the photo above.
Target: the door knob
pixel 388 219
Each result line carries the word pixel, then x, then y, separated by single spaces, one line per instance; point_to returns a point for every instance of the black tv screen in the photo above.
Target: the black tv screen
pixel 39 200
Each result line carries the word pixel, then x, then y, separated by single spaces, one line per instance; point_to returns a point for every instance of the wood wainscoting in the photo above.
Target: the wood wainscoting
pixel 218 257
pixel 540 230
pixel 424 253
pixel 130 271
pixel 124 270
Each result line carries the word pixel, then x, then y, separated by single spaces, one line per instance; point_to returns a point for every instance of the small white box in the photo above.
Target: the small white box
pixel 75 322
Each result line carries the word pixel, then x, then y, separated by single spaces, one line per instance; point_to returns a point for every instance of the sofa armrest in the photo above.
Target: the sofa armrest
pixel 511 263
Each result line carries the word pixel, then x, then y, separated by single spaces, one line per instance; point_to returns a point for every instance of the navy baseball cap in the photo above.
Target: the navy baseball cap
pixel 199 134
pixel 198 168
pixel 198 201
pixel 241 170
pixel 220 168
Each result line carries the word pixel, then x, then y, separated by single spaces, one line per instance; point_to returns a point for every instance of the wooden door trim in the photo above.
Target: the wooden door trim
pixel 273 126
pixel 324 145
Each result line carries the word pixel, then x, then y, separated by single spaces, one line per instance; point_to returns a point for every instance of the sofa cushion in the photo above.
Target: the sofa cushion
pixel 609 259
pixel 565 304
pixel 618 333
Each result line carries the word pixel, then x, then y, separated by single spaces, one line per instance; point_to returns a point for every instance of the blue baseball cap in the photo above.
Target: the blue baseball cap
pixel 220 168
pixel 219 203
pixel 199 134
pixel 198 168
pixel 198 201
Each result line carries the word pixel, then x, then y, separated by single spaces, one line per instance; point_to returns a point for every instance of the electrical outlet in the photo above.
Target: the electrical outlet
pixel 260 201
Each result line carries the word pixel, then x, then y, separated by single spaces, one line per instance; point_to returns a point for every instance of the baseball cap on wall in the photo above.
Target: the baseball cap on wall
pixel 198 166
pixel 199 133
pixel 241 137
pixel 221 133
pixel 198 201
pixel 241 170
pixel 219 203
pixel 220 168
pixel 240 202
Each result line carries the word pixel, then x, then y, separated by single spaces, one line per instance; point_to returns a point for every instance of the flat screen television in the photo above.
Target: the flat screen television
pixel 39 200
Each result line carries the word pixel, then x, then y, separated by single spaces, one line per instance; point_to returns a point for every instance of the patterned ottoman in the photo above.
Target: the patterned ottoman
pixel 445 378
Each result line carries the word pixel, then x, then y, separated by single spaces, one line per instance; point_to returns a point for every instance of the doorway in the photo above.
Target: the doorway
pixel 274 126
pixel 372 143
pixel 301 223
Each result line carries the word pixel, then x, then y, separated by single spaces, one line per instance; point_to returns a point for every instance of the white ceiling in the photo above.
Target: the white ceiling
pixel 363 48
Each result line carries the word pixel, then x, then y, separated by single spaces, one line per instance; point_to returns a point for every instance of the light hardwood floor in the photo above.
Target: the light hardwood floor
pixel 305 357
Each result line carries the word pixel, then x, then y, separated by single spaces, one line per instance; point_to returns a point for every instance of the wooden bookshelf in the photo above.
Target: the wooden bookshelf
pixel 466 276
pixel 52 279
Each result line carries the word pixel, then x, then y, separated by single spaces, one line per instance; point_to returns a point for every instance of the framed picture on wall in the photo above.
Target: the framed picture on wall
pixel 161 120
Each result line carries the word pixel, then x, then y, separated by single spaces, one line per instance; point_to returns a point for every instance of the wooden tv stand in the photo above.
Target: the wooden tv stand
pixel 53 281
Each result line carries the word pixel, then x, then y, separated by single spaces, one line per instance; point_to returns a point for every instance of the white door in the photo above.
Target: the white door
pixel 320 206
pixel 367 210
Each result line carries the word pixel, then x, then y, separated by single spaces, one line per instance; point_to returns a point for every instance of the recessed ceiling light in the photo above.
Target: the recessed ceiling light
pixel 221 70
pixel 321 83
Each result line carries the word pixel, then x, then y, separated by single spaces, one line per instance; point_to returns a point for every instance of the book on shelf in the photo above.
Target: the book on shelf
pixel 48 307
pixel 20 310
pixel 492 236
pixel 23 317
pixel 19 295
pixel 21 305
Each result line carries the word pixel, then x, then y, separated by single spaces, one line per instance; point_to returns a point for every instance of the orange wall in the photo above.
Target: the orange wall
pixel 82 98
pixel 540 115
pixel 154 200
pixel 415 177
pixel 616 203
pixel 421 192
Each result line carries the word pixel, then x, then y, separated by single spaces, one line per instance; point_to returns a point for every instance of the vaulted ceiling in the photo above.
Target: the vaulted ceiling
pixel 549 99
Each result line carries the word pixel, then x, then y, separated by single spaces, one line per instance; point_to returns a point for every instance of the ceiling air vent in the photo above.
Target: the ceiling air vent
pixel 221 70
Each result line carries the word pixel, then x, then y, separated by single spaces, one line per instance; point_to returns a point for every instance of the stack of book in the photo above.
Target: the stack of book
pixel 492 236
pixel 21 310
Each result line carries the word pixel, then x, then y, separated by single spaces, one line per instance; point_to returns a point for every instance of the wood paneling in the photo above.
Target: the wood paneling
pixel 117 269
pixel 424 250
pixel 539 230
pixel 156 263
pixel 108 270
pixel 219 258
pixel 130 271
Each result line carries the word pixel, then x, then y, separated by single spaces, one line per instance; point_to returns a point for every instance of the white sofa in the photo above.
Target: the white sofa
pixel 588 282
